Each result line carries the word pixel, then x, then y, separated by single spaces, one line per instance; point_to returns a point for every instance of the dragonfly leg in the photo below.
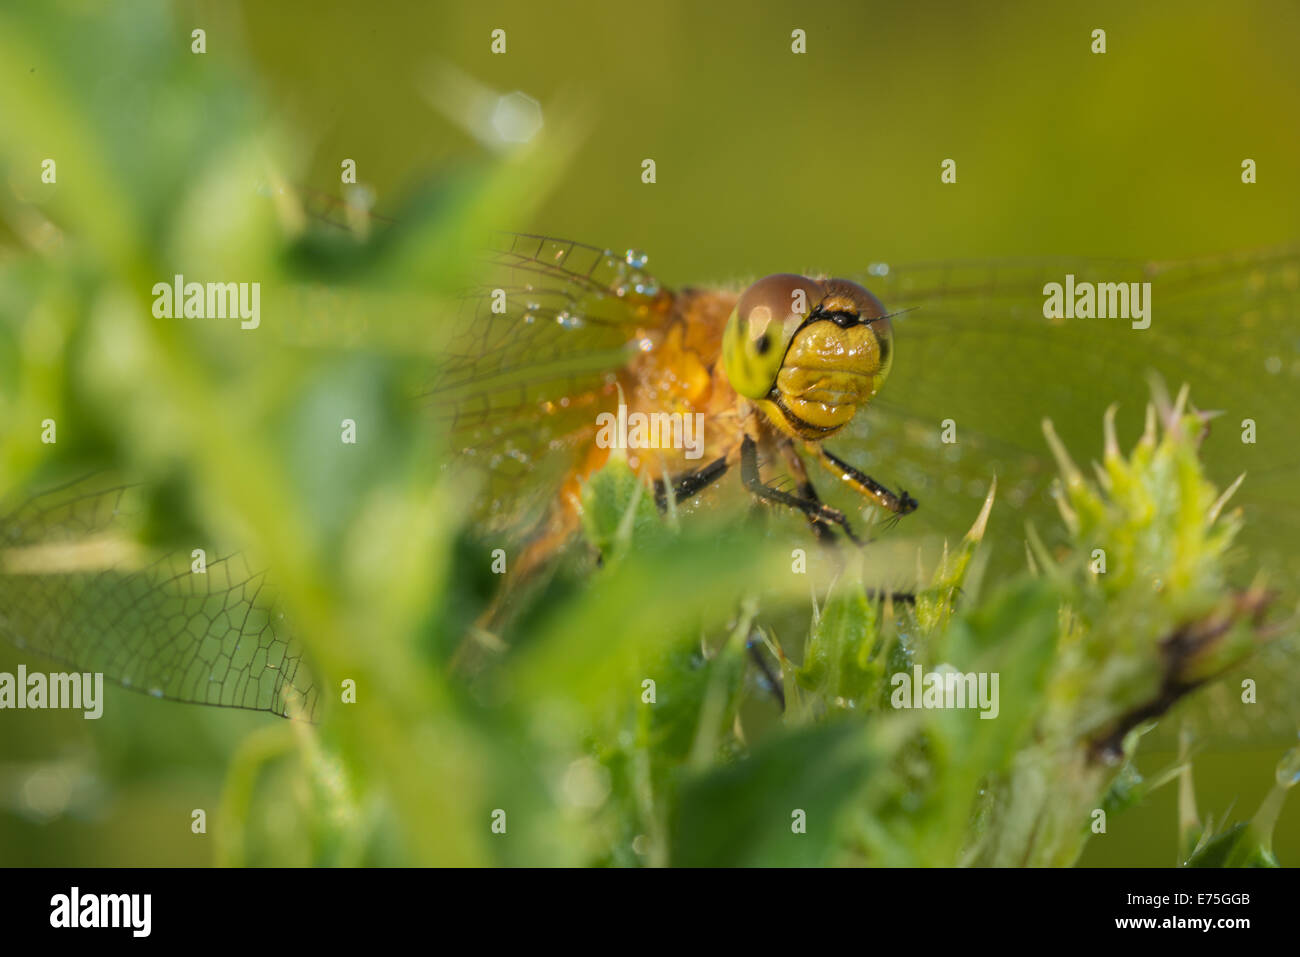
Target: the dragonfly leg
pixel 772 681
pixel 902 597
pixel 806 490
pixel 691 483
pixel 816 511
pixel 863 484
pixel 821 528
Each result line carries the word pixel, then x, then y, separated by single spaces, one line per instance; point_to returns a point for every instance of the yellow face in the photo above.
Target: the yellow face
pixel 809 352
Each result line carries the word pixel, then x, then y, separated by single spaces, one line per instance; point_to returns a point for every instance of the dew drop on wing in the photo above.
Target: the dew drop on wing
pixel 636 259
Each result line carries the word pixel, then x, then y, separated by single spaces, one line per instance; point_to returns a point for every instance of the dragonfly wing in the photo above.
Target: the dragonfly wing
pixel 528 361
pixel 976 353
pixel 77 588
pixel 538 344
pixel 516 387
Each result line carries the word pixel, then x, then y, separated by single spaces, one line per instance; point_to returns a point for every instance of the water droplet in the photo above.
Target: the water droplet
pixel 1288 769
pixel 517 117
pixel 568 320
pixel 878 269
pixel 636 259
pixel 645 344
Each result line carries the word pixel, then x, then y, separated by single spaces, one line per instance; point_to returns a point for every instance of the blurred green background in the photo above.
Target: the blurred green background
pixel 766 162
pixel 772 162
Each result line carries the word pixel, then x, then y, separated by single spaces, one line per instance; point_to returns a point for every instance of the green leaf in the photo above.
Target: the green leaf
pixel 746 814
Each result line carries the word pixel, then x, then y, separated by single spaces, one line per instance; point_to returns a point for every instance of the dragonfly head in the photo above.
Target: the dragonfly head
pixel 810 352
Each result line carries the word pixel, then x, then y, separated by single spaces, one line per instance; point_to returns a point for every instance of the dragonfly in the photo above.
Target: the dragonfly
pixel 952 368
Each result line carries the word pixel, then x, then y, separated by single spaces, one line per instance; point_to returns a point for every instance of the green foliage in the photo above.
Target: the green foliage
pixel 748 813
pixel 1088 655
pixel 624 721
pixel 1246 843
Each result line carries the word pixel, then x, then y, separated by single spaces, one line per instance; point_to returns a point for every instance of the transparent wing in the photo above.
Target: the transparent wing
pixel 542 337
pixel 976 351
pixel 516 387
pixel 76 588
pixel 529 359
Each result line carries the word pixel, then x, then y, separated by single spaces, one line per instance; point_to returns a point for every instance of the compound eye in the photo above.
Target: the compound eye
pixel 777 300
pixel 758 333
